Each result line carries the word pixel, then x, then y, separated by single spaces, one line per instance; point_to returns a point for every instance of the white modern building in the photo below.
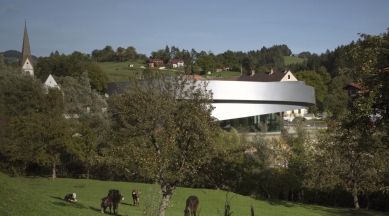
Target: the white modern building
pixel 247 102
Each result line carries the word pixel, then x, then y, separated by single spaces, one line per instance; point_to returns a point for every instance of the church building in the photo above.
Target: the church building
pixel 25 62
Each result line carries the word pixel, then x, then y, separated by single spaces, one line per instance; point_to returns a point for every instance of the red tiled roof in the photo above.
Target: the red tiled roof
pixel 352 85
pixel 175 61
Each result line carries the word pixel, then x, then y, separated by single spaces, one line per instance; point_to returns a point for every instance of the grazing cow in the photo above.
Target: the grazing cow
pixel 136 196
pixel 112 200
pixel 107 202
pixel 191 206
pixel 71 197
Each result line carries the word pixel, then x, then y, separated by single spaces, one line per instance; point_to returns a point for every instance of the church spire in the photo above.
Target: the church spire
pixel 26 60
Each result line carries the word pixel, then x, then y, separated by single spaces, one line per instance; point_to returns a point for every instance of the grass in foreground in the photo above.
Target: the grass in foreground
pixel 41 196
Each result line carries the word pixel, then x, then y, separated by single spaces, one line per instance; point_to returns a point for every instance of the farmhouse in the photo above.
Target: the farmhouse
pixel 155 62
pixel 176 63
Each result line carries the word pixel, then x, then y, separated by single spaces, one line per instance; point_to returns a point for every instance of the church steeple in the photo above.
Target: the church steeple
pixel 26 63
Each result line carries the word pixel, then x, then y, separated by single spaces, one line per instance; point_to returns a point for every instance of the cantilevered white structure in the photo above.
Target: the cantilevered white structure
pixel 251 102
pixel 239 99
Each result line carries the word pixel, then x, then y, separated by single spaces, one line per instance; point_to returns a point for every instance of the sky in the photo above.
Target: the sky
pixel 204 25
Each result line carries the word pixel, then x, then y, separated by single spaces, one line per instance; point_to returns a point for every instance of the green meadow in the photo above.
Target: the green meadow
pixel 291 60
pixel 119 71
pixel 42 196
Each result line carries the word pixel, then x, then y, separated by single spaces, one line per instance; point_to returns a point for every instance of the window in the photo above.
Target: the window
pixel 288 76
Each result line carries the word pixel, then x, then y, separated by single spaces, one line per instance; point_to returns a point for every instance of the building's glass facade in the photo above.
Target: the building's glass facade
pixel 253 123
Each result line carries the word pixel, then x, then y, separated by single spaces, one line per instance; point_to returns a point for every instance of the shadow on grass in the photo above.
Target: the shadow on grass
pixel 95 209
pixel 129 204
pixel 280 202
pixel 106 211
pixel 63 202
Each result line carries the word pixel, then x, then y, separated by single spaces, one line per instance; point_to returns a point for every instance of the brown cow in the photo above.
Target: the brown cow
pixel 112 200
pixel 136 197
pixel 106 202
pixel 191 206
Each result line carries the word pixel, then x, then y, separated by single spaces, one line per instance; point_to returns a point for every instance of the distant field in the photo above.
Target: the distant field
pixel 223 74
pixel 119 71
pixel 41 196
pixel 291 59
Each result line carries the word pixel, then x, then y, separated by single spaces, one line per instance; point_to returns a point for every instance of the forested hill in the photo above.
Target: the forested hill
pixel 14 54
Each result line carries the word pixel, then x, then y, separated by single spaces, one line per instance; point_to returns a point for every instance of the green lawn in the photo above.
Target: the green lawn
pixel 41 196
pixel 291 59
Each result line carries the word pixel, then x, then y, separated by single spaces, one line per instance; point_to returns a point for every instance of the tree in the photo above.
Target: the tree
pixel 42 136
pixel 248 64
pixel 358 145
pixel 91 127
pixel 313 79
pixel 2 63
pixel 228 58
pixel 97 55
pixel 165 129
pixel 97 75
pixel 130 53
pixel 120 51
pixel 337 99
pixel 225 171
pixel 305 54
pixel 13 86
pixel 206 63
pixel 341 163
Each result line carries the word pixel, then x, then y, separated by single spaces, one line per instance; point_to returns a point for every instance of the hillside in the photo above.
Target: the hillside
pixel 291 60
pixel 41 196
pixel 14 55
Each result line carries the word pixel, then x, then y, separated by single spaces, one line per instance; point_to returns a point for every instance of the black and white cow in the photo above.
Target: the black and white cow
pixel 71 197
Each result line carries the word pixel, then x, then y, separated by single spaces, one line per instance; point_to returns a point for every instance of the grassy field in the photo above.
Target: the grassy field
pixel 291 59
pixel 41 196
pixel 119 71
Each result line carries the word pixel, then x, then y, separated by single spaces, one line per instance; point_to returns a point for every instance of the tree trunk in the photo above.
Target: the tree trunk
pixel 167 191
pixel 24 169
pixel 54 171
pixel 87 173
pixel 268 194
pixel 355 197
pixel 368 202
pixel 163 205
